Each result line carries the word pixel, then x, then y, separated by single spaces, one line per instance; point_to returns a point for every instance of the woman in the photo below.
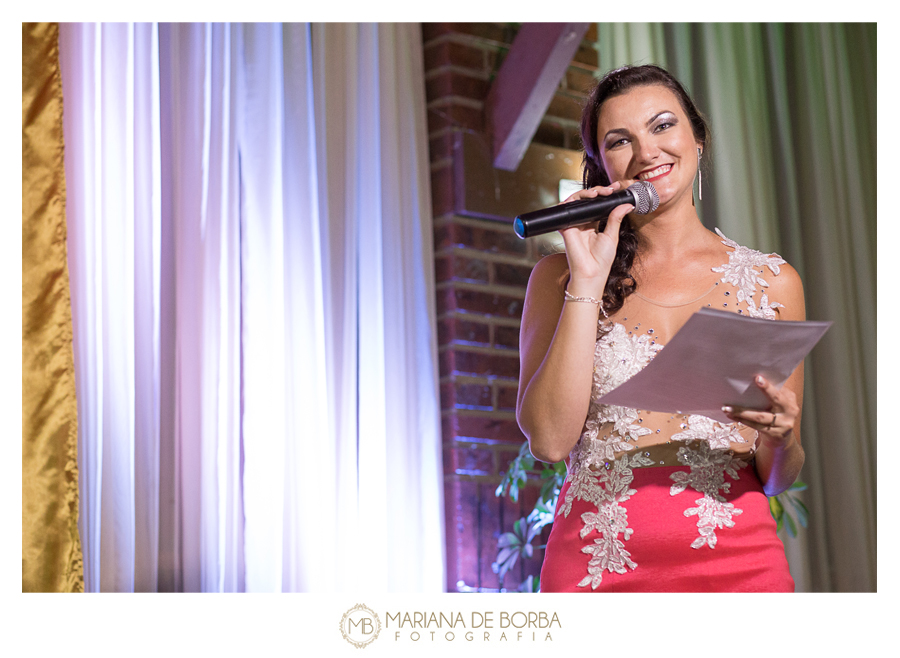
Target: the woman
pixel 652 501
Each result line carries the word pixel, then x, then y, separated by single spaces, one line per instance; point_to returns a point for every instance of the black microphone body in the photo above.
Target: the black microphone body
pixel 641 194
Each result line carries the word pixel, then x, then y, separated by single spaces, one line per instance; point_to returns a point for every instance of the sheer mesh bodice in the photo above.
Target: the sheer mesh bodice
pixel 625 345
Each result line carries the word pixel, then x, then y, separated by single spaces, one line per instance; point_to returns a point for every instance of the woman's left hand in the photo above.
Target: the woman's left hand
pixel 775 424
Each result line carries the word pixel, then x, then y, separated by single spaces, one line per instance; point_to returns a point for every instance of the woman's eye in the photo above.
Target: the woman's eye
pixel 616 143
pixel 663 126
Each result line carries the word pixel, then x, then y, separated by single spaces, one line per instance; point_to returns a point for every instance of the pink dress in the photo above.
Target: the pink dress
pixel 659 502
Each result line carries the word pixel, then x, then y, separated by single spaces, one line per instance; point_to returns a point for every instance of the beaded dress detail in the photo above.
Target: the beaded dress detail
pixel 699 456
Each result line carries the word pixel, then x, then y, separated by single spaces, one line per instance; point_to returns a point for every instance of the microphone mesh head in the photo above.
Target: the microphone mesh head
pixel 646 198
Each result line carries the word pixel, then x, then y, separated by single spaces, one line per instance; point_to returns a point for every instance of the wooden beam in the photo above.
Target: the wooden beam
pixel 525 84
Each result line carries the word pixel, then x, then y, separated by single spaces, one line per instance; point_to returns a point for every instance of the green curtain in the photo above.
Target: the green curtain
pixel 51 548
pixel 792 170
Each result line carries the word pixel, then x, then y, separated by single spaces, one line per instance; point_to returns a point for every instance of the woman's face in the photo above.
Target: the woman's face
pixel 644 134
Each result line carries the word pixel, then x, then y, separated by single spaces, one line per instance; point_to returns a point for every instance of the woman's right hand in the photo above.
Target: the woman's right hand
pixel 590 254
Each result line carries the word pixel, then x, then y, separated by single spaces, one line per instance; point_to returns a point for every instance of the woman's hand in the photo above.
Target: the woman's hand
pixel 591 253
pixel 779 455
pixel 776 423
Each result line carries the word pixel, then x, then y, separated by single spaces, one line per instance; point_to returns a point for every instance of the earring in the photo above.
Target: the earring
pixel 699 176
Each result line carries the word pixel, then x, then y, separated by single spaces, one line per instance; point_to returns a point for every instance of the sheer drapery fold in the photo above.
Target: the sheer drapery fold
pixel 792 170
pixel 290 297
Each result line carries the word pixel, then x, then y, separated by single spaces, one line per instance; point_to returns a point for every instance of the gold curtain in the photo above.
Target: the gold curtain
pixel 51 548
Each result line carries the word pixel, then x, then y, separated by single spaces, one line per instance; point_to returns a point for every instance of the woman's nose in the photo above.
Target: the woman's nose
pixel 646 150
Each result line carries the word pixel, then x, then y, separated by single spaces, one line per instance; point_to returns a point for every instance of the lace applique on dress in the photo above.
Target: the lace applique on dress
pixel 717 435
pixel 606 489
pixel 743 271
pixel 707 476
pixel 617 358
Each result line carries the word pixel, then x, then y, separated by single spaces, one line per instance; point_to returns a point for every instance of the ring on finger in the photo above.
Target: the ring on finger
pixel 774 418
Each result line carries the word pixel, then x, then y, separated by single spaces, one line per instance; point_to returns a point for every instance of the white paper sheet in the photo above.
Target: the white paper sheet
pixel 713 360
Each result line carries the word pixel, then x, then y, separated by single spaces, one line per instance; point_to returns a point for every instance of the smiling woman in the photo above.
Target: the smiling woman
pixel 597 314
pixel 642 142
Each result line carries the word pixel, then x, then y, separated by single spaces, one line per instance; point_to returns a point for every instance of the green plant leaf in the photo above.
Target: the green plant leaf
pixel 776 508
pixel 507 539
pixel 791 526
pixel 800 508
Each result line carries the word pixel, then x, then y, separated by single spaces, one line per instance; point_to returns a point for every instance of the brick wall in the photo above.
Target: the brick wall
pixel 482 270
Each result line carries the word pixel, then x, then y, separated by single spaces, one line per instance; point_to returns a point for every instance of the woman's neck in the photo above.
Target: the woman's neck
pixel 670 232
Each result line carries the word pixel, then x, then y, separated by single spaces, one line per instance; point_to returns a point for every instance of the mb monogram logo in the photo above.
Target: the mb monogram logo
pixel 360 626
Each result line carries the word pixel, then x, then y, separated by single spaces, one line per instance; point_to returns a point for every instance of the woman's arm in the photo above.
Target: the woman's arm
pixel 557 337
pixel 556 362
pixel 779 455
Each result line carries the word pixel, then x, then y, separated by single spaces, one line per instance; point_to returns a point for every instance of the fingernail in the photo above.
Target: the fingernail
pixel 727 409
pixel 760 380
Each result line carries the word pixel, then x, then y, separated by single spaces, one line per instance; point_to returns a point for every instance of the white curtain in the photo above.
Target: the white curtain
pixel 252 286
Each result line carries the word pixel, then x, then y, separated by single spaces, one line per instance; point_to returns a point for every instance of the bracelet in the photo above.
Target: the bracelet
pixel 572 298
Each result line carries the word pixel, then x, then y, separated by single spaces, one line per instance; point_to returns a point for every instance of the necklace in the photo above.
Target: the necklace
pixel 667 305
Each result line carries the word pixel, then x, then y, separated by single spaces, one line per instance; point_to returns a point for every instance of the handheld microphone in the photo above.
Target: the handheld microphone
pixel 641 194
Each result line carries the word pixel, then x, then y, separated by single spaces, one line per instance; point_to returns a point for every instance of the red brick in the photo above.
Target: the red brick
pixel 550 133
pixel 506 337
pixel 504 430
pixel 506 398
pixel 490 518
pixel 447 114
pixel 450 53
pixel 456 361
pixel 455 83
pixel 455 330
pixel 440 147
pixel 506 274
pixel 505 457
pixel 461 513
pixel 448 428
pixel 442 196
pixel 434 30
pixel 466 396
pixel 580 81
pixel 565 106
pixel 458 267
pixel 469 459
pixel 473 301
pixel 587 54
pixel 501 240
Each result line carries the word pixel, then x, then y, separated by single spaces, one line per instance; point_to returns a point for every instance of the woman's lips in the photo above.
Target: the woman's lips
pixel 653 174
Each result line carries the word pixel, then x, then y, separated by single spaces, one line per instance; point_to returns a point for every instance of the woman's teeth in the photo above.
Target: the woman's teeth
pixel 656 172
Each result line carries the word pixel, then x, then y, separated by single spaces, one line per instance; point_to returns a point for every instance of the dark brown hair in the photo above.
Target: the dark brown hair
pixel 620 283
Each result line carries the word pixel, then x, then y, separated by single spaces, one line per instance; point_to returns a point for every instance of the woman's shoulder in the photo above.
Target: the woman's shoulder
pixel 551 271
pixel 750 269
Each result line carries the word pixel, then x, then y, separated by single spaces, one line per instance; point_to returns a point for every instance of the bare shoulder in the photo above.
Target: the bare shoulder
pixel 787 289
pixel 549 275
pixel 544 296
